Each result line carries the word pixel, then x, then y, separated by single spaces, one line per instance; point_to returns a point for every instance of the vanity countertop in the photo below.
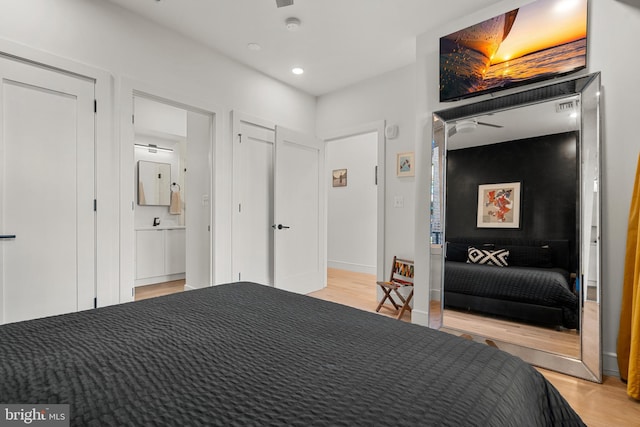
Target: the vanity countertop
pixel 161 227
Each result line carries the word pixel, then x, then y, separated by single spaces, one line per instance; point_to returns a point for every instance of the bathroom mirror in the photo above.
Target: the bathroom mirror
pixel 515 224
pixel 154 180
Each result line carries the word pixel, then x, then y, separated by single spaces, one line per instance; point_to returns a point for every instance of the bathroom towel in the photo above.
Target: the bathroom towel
pixel 175 208
pixel 628 347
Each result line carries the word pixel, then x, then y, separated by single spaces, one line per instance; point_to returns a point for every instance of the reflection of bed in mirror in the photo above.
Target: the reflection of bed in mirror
pixel 547 140
pixel 533 285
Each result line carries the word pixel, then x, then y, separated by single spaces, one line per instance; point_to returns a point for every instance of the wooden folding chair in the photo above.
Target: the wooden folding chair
pixel 401 277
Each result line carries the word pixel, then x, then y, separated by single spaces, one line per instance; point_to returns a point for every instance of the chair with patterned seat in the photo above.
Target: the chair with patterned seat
pixel 401 278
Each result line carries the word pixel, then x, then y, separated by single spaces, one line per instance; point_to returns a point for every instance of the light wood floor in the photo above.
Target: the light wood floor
pixel 158 289
pixel 605 405
pixel 566 343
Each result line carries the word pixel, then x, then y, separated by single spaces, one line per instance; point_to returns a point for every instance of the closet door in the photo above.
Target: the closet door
pixel 47 163
pixel 254 141
pixel 299 255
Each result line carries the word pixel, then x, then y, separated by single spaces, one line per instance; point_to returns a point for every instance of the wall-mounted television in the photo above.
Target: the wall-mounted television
pixel 538 41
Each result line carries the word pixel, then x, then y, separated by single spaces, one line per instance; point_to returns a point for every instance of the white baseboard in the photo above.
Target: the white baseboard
pixel 610 365
pixel 356 268
pixel 419 317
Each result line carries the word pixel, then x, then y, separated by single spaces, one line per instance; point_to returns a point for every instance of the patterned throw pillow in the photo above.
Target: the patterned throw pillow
pixel 488 257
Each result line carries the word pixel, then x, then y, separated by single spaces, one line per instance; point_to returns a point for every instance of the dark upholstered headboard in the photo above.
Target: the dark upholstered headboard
pixel 559 249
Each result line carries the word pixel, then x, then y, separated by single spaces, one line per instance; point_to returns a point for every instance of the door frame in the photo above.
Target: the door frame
pixel 128 88
pixel 376 126
pixel 106 165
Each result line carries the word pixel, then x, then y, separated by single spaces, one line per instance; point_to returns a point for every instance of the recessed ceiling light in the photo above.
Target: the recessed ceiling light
pixel 253 46
pixel 297 70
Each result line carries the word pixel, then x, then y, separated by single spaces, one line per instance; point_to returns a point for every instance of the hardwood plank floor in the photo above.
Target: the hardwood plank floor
pixel 603 405
pixel 158 289
pixel 564 342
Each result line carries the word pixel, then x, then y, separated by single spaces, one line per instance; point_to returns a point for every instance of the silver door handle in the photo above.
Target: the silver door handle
pixel 7 236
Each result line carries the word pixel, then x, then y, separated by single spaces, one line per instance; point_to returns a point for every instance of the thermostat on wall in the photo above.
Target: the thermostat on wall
pixel 391 131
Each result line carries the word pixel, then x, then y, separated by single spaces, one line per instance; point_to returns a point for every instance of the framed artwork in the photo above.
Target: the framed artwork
pixel 340 178
pixel 406 164
pixel 499 205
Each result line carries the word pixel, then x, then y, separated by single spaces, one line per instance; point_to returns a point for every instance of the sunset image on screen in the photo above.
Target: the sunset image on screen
pixel 554 23
pixel 539 40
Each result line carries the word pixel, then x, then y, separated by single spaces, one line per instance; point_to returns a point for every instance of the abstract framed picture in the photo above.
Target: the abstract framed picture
pixel 339 178
pixel 405 166
pixel 499 205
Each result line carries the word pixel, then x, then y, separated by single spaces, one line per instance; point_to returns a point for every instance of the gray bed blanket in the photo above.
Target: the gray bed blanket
pixel 247 354
pixel 546 287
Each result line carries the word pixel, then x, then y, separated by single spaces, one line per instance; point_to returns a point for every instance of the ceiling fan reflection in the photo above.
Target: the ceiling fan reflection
pixel 469 125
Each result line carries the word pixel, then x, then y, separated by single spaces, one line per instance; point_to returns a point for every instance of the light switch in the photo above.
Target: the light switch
pixel 205 200
pixel 398 202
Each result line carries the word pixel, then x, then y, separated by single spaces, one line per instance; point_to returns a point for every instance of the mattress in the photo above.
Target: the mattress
pixel 545 287
pixel 247 354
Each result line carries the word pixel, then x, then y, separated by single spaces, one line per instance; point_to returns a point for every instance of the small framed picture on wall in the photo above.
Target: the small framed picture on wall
pixel 499 205
pixel 339 178
pixel 406 164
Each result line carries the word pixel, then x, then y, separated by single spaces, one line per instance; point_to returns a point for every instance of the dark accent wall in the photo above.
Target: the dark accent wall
pixel 547 168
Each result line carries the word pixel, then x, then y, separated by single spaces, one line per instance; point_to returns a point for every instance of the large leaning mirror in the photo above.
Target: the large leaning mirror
pixel 515 235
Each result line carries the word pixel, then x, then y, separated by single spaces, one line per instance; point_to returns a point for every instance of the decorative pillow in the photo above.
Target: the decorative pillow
pixel 488 257
pixel 529 256
pixel 459 251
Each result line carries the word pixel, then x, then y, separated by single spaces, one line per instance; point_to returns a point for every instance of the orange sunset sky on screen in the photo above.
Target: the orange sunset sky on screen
pixel 543 24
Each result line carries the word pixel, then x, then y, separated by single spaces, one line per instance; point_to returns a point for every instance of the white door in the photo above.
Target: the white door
pixel 253 200
pixel 298 212
pixel 46 192
pixel 198 200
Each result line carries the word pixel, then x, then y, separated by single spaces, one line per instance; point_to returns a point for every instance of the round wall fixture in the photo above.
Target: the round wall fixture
pixel 292 24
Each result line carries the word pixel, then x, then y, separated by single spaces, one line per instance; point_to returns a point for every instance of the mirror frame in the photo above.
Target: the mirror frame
pixel 589 365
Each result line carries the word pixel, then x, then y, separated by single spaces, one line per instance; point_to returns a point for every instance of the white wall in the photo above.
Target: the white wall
pixel 352 210
pixel 102 35
pixel 614 29
pixel 390 97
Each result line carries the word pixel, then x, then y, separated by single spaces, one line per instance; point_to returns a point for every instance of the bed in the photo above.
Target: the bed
pixel 247 354
pixel 534 284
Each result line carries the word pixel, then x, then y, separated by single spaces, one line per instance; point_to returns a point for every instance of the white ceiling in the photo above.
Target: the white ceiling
pixel 340 42
pixel 529 121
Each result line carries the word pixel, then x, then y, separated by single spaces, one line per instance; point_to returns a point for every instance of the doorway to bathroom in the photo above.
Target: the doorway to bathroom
pixel 172 146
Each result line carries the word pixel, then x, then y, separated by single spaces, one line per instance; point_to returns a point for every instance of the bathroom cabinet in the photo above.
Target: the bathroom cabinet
pixel 160 254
